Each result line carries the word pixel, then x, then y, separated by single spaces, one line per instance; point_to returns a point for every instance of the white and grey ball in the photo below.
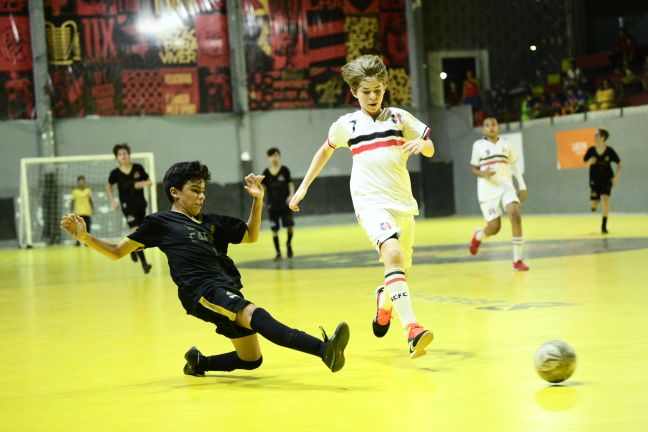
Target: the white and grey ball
pixel 555 361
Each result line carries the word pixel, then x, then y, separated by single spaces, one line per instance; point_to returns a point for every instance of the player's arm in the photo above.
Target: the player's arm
pixel 589 158
pixel 617 173
pixel 143 183
pixel 75 226
pixel 419 146
pixel 111 197
pixel 522 188
pixel 291 191
pixel 477 172
pixel 320 159
pixel 254 188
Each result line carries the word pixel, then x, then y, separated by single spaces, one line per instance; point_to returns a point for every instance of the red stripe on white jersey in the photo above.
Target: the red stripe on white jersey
pixel 378 144
pixel 493 162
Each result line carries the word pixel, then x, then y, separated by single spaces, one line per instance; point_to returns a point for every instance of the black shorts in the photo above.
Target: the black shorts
pixel 600 187
pixel 219 306
pixel 134 216
pixel 284 214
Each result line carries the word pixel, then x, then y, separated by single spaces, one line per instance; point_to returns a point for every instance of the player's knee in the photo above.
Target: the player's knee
pixel 494 227
pixel 392 255
pixel 249 365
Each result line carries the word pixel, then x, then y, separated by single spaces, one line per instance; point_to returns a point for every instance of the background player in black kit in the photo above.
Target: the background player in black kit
pixel 131 179
pixel 279 191
pixel 209 284
pixel 601 177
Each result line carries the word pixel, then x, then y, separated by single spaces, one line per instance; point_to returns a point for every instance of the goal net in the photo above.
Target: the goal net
pixel 46 185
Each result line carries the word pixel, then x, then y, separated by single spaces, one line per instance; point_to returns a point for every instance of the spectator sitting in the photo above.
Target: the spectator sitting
pixel 530 108
pixel 604 97
pixel 555 104
pixel 573 76
pixel 471 89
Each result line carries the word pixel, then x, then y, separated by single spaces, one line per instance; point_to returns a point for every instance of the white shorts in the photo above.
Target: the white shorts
pixel 381 224
pixel 493 208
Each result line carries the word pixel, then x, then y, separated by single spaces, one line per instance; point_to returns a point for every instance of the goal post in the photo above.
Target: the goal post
pixel 46 185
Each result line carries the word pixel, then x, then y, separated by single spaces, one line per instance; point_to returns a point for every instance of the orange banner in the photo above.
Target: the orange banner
pixel 572 145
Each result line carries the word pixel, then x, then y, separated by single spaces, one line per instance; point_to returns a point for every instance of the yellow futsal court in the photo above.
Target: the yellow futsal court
pixel 94 345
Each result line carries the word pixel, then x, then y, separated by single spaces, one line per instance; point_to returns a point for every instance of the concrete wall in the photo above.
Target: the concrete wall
pixel 17 141
pixel 213 139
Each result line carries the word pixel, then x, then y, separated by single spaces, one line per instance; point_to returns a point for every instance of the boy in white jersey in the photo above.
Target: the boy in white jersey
pixel 380 140
pixel 494 163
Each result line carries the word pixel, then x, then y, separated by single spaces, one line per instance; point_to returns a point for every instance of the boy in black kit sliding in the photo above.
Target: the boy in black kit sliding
pixel 208 281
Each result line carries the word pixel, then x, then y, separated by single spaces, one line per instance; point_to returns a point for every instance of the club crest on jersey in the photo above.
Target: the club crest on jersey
pixel 384 226
pixel 136 175
pixel 397 119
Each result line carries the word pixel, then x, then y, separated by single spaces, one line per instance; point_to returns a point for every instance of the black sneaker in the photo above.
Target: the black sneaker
pixel 333 355
pixel 604 231
pixel 277 258
pixel 133 256
pixel 289 253
pixel 147 268
pixel 191 368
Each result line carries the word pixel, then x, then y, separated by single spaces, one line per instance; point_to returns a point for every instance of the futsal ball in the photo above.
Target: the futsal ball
pixel 555 361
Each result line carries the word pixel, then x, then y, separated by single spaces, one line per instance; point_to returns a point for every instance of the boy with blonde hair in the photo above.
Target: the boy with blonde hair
pixel 380 139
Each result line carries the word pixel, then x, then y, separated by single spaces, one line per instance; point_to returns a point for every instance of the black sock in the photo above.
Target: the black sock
pixel 275 239
pixel 604 224
pixel 142 258
pixel 280 334
pixel 290 234
pixel 226 362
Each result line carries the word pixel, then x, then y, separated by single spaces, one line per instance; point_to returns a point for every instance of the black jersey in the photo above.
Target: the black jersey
pixel 128 195
pixel 197 252
pixel 602 168
pixel 277 187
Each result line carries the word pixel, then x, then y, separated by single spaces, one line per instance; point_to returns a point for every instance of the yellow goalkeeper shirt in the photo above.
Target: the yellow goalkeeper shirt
pixel 81 199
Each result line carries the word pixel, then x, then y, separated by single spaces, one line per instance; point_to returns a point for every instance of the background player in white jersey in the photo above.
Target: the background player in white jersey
pixel 380 140
pixel 494 163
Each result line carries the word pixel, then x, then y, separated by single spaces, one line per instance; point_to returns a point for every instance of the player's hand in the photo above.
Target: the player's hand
pixel 115 204
pixel 74 225
pixel 299 195
pixel 522 194
pixel 413 147
pixel 615 180
pixel 253 185
pixel 488 174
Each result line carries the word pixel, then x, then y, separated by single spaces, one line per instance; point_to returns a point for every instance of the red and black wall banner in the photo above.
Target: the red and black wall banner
pixel 16 75
pixel 294 49
pixel 172 57
pixel 138 57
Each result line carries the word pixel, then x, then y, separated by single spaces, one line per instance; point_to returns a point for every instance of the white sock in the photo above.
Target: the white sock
pixel 396 288
pixel 383 300
pixel 518 246
pixel 480 235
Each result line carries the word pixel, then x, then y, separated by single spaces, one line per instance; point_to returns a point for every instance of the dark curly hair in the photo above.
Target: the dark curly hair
pixel 120 147
pixel 182 172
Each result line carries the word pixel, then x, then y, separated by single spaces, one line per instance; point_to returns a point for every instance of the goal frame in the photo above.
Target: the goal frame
pixel 24 220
